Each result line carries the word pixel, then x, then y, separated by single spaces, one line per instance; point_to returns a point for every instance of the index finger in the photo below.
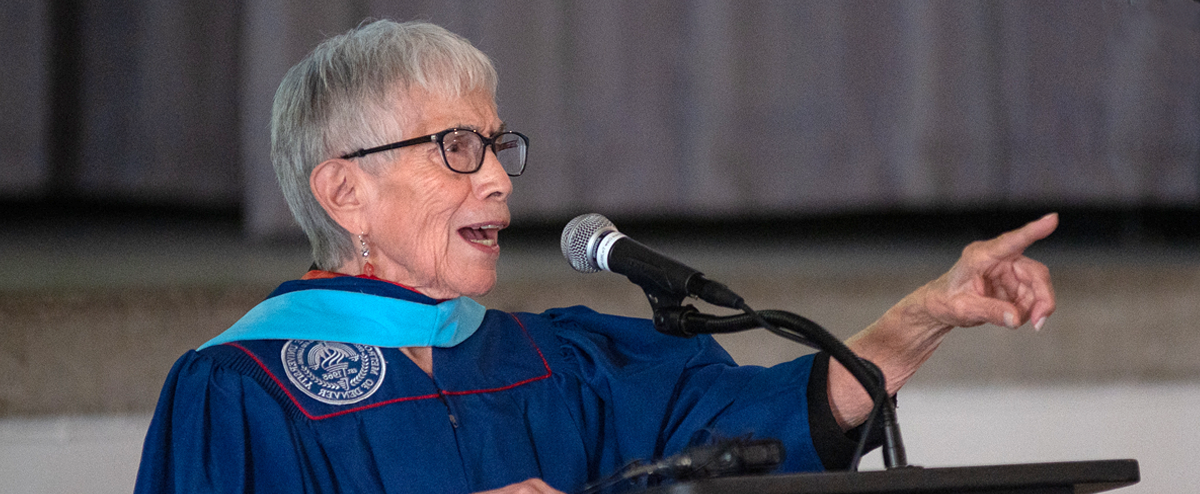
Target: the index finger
pixel 1015 242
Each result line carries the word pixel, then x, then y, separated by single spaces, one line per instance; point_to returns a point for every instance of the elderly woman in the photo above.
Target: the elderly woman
pixel 375 372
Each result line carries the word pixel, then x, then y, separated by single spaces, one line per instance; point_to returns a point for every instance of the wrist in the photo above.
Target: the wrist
pixel 915 314
pixel 902 339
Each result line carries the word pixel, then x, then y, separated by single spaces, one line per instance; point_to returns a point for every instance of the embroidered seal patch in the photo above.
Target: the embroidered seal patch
pixel 334 373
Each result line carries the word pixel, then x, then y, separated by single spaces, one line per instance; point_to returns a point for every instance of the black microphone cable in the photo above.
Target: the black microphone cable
pixel 877 398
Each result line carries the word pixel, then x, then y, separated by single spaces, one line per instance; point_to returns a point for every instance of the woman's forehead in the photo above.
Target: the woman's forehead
pixel 428 113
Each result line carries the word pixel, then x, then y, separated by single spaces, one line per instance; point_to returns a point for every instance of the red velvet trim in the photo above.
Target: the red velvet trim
pixel 510 386
pixel 318 274
pixel 310 416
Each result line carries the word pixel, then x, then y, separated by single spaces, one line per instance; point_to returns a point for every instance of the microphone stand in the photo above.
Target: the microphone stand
pixel 671 318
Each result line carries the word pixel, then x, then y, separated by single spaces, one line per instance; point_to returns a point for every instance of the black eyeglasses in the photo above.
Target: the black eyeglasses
pixel 463 149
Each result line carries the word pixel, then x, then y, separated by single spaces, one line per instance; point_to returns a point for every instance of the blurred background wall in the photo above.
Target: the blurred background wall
pixel 834 155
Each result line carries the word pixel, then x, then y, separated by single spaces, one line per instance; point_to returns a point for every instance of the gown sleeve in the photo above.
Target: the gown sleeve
pixel 656 395
pixel 214 431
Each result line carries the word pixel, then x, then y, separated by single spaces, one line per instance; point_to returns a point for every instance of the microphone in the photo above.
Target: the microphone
pixel 591 243
pixel 727 457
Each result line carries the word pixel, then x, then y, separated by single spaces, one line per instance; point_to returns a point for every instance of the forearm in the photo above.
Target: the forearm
pixel 899 342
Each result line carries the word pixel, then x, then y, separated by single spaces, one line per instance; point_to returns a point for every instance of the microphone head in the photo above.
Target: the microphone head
pixel 579 240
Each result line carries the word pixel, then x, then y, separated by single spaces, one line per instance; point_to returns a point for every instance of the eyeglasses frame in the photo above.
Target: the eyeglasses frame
pixel 439 138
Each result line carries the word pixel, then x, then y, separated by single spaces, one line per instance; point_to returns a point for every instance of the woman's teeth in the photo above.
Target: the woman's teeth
pixel 481 235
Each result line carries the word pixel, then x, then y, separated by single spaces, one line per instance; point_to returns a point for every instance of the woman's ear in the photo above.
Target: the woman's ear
pixel 339 185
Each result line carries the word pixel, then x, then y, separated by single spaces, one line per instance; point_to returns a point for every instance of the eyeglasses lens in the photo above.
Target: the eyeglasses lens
pixel 463 150
pixel 510 150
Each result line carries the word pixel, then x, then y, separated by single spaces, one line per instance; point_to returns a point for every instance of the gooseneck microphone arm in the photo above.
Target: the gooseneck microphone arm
pixel 592 243
pixel 687 322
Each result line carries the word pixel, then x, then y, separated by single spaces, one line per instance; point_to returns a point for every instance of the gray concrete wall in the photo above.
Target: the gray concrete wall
pixel 96 324
pixel 91 321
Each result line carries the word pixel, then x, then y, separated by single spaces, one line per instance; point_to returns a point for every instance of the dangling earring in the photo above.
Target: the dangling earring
pixel 368 269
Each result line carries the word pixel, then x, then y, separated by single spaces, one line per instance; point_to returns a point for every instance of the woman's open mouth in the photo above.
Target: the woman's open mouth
pixel 482 235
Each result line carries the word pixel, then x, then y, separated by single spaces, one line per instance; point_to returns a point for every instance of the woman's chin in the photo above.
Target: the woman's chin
pixel 480 287
pixel 474 283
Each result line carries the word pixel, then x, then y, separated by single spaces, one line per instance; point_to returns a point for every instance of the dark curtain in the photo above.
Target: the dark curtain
pixel 663 108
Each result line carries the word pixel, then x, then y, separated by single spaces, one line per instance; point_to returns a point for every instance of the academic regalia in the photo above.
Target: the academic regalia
pixel 310 393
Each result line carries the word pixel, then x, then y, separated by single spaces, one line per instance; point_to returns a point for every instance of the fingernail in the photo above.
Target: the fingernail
pixel 1010 321
pixel 1037 326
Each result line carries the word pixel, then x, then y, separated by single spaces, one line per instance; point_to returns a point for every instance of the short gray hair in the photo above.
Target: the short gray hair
pixel 343 97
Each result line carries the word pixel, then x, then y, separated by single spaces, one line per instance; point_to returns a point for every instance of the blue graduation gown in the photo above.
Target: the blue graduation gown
pixel 568 395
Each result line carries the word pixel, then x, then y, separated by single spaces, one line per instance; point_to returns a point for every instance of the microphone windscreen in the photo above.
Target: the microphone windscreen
pixel 579 238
